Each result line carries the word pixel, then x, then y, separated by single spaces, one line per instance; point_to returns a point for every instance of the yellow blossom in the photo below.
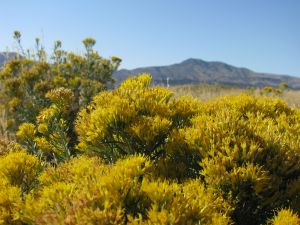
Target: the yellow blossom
pixel 42 128
pixel 62 97
pixel 43 144
pixel 26 131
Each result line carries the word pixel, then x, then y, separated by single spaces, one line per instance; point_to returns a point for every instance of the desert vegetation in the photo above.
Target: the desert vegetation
pixel 74 150
pixel 207 92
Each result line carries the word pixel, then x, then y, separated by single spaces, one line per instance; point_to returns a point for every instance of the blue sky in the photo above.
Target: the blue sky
pixel 263 35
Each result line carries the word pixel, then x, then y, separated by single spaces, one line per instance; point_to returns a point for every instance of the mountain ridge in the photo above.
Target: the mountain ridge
pixel 195 71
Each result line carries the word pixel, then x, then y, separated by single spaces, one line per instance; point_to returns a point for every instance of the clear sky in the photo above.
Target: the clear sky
pixel 262 35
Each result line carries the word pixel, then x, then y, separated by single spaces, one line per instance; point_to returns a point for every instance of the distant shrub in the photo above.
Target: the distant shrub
pixel 272 91
pixel 27 78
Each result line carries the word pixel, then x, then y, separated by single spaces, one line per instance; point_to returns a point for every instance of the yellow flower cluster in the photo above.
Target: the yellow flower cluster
pixel 19 168
pixel 144 128
pixel 86 191
pixel 49 139
pixel 44 144
pixel 26 131
pixel 61 97
pixel 285 216
pixel 133 118
pixel 9 201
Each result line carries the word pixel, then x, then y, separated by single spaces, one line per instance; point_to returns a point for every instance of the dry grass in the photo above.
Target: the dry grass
pixel 205 92
pixel 209 92
pixel 292 98
pixel 3 125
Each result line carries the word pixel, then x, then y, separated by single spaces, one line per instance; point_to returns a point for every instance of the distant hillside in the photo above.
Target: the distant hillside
pixel 6 56
pixel 195 71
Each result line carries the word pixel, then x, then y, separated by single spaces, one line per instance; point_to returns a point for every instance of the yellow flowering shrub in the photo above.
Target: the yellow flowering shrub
pixel 25 135
pixel 26 80
pixel 20 78
pixel 188 203
pixel 135 118
pixel 77 170
pixel 20 169
pixel 61 97
pixel 18 175
pixel 250 153
pixel 10 199
pixel 52 138
pixel 86 191
pixel 285 216
pixel 26 131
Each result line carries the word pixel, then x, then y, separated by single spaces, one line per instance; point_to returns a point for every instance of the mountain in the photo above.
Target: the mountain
pixel 195 71
pixel 4 56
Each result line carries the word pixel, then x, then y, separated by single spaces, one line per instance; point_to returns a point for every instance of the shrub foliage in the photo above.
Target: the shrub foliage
pixel 27 79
